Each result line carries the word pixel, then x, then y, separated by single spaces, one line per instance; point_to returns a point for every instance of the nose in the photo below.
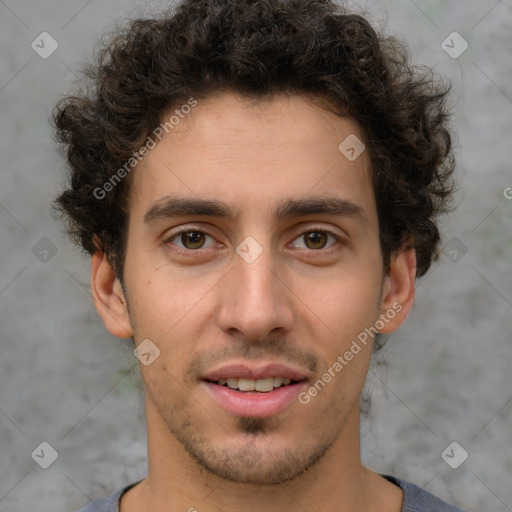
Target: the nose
pixel 256 300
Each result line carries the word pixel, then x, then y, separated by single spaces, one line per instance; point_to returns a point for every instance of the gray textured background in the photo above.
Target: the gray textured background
pixel 66 381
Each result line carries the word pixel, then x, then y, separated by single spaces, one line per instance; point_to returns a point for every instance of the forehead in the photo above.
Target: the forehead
pixel 252 155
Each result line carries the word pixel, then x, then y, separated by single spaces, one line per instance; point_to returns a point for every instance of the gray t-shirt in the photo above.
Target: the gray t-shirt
pixel 415 500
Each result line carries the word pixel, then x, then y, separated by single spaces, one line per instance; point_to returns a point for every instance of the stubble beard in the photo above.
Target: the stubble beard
pixel 250 464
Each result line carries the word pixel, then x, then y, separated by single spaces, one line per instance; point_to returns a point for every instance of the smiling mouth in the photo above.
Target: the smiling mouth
pixel 250 385
pixel 261 397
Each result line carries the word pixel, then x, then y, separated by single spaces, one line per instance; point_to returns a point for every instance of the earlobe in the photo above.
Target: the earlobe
pixel 109 297
pixel 398 292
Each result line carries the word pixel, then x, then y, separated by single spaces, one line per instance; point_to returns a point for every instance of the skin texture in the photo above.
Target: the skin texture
pixel 300 302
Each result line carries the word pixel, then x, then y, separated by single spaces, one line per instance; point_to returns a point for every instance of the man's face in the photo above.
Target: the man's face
pixel 287 313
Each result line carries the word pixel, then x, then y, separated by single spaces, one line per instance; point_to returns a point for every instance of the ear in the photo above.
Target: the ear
pixel 398 290
pixel 108 297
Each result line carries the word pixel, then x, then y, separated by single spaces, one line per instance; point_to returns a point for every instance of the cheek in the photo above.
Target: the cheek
pixel 163 298
pixel 164 390
pixel 346 309
pixel 347 304
pixel 170 309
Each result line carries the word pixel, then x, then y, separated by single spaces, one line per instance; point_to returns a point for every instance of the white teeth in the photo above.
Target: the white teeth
pixel 278 382
pixel 261 385
pixel 232 383
pixel 246 384
pixel 264 384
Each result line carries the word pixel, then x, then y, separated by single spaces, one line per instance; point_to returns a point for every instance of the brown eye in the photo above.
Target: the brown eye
pixel 190 239
pixel 316 239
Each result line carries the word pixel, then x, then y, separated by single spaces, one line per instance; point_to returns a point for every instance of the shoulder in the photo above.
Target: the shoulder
pixel 102 505
pixel 417 499
pixel 108 504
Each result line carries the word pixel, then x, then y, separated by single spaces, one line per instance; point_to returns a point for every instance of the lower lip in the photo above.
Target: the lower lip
pixel 254 404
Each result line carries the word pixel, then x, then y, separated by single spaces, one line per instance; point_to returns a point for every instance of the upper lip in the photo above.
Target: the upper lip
pixel 244 371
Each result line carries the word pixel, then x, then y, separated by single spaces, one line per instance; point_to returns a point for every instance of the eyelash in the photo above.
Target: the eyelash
pixel 328 250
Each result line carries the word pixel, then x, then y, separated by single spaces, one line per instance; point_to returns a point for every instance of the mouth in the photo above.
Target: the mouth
pixel 254 392
pixel 260 386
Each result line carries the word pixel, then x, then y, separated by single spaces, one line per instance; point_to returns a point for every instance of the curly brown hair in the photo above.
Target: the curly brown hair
pixel 259 48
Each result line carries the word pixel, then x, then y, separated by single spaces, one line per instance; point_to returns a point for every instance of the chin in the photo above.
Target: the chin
pixel 255 458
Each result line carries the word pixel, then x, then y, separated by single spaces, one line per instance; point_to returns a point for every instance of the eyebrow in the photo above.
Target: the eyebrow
pixel 170 206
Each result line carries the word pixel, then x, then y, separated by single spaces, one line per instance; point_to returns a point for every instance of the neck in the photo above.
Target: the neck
pixel 338 481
